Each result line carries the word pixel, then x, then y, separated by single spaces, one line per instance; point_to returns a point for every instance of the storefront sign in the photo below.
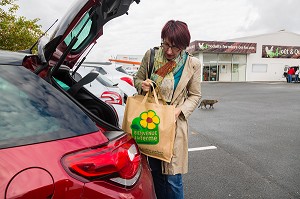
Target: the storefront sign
pixel 271 51
pixel 222 47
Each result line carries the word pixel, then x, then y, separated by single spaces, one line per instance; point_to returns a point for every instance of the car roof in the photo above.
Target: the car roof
pixel 11 58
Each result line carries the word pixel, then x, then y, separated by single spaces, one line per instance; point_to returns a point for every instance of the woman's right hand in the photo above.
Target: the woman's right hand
pixel 146 85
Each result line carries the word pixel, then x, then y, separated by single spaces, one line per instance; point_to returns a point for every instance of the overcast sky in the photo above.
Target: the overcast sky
pixel 208 20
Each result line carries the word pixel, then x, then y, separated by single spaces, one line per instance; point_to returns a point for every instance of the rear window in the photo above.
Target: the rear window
pixel 32 111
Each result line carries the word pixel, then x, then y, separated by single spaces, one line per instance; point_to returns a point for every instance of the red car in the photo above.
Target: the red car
pixel 57 140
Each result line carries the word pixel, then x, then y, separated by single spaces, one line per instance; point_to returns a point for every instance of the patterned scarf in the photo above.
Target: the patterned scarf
pixel 164 71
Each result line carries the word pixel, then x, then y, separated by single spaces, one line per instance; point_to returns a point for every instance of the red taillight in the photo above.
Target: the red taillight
pixel 120 158
pixel 128 80
pixel 112 97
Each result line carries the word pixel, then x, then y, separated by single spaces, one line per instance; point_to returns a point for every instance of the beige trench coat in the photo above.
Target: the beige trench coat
pixel 186 96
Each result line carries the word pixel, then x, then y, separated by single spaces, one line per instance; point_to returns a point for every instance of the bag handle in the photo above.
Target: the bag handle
pixel 151 62
pixel 154 94
pixel 150 70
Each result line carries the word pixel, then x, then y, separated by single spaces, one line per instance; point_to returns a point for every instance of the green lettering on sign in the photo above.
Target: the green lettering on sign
pixel 145 128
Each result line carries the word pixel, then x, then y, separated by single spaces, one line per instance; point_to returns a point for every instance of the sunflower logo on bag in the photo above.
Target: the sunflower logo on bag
pixel 145 128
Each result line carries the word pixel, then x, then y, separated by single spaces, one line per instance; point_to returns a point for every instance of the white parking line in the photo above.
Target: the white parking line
pixel 202 148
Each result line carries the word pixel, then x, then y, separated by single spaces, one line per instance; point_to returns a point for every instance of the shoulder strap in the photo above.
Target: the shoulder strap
pixel 151 62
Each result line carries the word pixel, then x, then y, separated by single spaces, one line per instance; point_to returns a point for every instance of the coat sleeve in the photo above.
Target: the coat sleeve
pixel 193 90
pixel 141 74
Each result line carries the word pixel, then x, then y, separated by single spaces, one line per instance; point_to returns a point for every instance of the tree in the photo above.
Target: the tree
pixel 16 33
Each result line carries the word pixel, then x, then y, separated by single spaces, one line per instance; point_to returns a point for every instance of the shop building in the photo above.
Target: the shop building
pixel 254 58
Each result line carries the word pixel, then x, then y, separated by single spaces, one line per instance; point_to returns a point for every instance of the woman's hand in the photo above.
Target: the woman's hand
pixel 177 112
pixel 146 85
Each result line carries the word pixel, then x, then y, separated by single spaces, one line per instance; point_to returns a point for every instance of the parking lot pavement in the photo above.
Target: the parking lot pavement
pixel 255 129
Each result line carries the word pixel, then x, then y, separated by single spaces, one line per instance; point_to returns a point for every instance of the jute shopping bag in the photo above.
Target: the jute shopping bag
pixel 151 124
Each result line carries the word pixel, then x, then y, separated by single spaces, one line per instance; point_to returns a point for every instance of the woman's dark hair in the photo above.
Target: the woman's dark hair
pixel 177 33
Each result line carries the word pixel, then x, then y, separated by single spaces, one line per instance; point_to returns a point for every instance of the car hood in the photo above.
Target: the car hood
pixel 78 30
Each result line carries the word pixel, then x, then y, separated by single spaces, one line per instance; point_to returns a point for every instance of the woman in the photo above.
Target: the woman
pixel 177 74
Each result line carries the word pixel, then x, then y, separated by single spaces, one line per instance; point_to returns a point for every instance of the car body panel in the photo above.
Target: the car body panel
pixel 120 109
pixel 40 181
pixel 38 156
pixel 12 58
pixel 127 89
pixel 41 160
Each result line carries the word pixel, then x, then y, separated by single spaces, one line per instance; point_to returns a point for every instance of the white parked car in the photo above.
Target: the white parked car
pixel 104 89
pixel 116 75
pixel 101 87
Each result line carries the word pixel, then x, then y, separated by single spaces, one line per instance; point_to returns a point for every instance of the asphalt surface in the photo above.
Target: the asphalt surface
pixel 255 128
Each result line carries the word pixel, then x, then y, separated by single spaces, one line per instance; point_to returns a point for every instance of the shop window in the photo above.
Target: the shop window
pixel 207 57
pixel 223 68
pixel 259 68
pixel 225 58
pixel 242 59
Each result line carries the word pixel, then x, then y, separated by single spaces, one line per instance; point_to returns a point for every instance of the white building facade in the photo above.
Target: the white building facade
pixel 254 58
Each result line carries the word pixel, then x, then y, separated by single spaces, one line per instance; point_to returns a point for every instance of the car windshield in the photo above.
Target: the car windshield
pixel 33 111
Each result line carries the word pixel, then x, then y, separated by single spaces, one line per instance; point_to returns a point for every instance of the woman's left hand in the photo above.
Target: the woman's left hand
pixel 177 112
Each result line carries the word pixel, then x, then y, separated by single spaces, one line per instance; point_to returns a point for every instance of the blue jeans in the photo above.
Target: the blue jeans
pixel 296 78
pixel 289 78
pixel 166 186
